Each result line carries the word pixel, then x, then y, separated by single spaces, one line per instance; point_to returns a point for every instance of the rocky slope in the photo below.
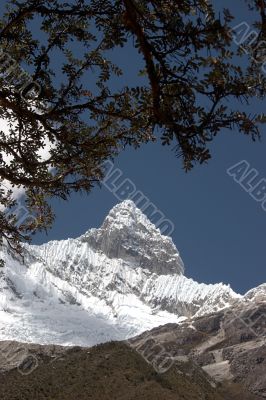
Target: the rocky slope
pixel 113 371
pixel 230 346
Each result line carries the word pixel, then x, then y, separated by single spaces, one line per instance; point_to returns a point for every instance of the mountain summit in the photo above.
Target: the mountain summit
pixel 127 234
pixel 110 283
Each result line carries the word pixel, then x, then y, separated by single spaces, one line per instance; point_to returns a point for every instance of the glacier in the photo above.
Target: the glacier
pixel 111 283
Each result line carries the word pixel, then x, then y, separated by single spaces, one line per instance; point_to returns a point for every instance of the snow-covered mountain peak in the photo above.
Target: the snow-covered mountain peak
pixel 257 294
pixel 127 234
pixel 127 215
pixel 111 283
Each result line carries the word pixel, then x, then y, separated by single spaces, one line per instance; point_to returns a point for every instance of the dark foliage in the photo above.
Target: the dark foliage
pixel 190 75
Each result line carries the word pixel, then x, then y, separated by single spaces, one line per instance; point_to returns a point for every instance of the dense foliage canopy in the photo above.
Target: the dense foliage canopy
pixel 61 123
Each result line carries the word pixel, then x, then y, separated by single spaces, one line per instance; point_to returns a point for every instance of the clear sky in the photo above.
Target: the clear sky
pixel 220 230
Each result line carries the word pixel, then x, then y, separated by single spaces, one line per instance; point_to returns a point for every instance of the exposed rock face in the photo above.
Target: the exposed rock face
pixel 127 234
pixel 229 345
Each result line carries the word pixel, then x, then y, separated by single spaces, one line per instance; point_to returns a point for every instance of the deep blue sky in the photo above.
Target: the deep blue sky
pixel 219 229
